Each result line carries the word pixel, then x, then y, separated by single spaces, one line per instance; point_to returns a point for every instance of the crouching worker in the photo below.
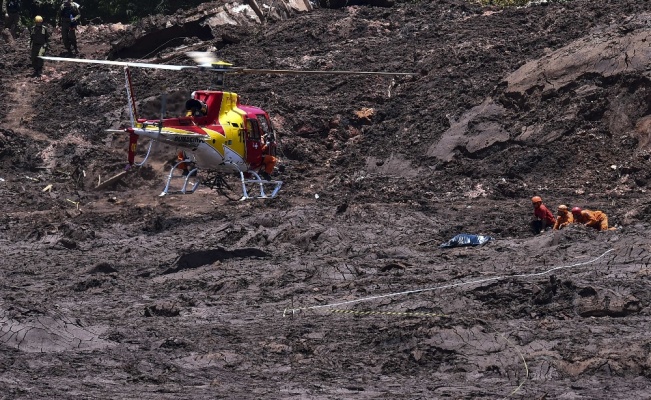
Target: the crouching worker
pixel 593 219
pixel 564 217
pixel 543 217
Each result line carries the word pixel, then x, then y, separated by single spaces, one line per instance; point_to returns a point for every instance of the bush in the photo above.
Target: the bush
pixel 106 10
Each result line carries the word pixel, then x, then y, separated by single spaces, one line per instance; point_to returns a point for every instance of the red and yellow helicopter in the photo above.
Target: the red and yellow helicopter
pixel 218 134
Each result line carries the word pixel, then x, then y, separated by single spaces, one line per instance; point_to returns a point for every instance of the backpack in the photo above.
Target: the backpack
pixel 13 5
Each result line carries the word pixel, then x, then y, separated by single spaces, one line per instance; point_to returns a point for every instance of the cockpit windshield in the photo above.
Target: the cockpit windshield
pixel 253 129
pixel 264 124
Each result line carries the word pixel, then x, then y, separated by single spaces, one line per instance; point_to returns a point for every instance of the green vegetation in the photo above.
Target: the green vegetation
pixel 107 10
pixel 100 11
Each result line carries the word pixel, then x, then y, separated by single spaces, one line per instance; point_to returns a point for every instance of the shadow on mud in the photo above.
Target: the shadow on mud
pixel 200 258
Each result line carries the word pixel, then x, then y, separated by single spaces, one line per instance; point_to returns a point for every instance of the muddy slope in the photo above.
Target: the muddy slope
pixel 121 294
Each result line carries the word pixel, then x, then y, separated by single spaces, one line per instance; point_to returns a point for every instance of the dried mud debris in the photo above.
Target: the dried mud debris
pixel 119 292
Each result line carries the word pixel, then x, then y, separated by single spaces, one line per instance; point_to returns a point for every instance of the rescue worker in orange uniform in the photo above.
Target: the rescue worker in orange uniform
pixel 594 219
pixel 564 217
pixel 183 165
pixel 544 218
pixel 268 161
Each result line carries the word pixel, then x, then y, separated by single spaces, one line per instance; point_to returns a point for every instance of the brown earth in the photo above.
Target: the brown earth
pixel 118 293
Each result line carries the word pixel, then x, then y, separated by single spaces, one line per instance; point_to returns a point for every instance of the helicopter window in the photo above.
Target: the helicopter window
pixel 266 128
pixel 253 129
pixel 196 108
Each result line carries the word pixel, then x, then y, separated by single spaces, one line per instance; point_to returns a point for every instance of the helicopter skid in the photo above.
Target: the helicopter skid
pixel 188 187
pixel 258 185
pixel 252 188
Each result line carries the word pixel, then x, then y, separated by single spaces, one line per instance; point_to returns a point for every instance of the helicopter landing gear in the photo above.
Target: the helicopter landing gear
pixel 258 185
pixel 217 182
pixel 188 175
pixel 253 187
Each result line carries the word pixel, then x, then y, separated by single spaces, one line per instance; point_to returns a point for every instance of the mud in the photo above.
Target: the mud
pixel 337 288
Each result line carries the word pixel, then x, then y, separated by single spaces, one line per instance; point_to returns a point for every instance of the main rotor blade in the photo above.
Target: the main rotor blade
pixel 123 63
pixel 207 60
pixel 204 58
pixel 209 63
pixel 313 72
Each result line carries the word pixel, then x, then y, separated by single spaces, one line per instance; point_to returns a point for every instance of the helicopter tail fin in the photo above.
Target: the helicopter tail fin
pixel 133 111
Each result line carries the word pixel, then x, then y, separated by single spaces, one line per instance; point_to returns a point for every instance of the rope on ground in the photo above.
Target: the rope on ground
pixel 524 361
pixel 452 285
pixel 392 313
pixel 288 311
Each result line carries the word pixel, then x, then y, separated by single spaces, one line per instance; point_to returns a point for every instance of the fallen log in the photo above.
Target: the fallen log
pixel 110 181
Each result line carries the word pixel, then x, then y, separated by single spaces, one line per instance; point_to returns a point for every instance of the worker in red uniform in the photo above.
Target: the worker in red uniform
pixel 564 217
pixel 594 219
pixel 543 217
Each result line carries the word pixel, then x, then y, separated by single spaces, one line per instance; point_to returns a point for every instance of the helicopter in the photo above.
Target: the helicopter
pixel 218 135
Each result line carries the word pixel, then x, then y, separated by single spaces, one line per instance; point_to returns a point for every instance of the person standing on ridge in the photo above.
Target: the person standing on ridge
pixel 68 19
pixel 10 10
pixel 39 38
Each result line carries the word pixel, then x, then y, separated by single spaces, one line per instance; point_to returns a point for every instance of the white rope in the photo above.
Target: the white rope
pixel 448 286
pixel 452 285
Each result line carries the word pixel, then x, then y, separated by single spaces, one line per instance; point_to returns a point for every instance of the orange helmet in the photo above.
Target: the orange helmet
pixel 576 210
pixel 536 199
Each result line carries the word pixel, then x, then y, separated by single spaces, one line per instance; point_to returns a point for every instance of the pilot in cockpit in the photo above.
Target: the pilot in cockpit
pixel 195 108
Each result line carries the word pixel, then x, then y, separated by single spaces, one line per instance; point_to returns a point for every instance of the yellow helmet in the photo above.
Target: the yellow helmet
pixel 38 19
pixel 562 208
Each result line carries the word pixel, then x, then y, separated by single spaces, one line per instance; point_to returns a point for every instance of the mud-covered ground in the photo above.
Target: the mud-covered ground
pixel 337 288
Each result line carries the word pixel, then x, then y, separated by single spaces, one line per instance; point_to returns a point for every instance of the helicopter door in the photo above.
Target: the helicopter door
pixel 268 137
pixel 253 143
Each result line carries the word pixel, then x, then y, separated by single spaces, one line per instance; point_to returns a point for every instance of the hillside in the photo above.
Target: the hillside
pixel 337 288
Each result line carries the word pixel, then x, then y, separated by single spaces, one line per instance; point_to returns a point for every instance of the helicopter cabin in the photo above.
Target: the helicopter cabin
pixel 246 129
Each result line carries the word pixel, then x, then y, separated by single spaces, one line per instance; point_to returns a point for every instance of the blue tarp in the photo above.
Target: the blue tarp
pixel 464 239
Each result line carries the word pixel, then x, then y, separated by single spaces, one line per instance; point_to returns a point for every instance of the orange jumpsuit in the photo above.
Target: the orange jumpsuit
pixel 594 219
pixel 563 219
pixel 268 160
pixel 180 157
